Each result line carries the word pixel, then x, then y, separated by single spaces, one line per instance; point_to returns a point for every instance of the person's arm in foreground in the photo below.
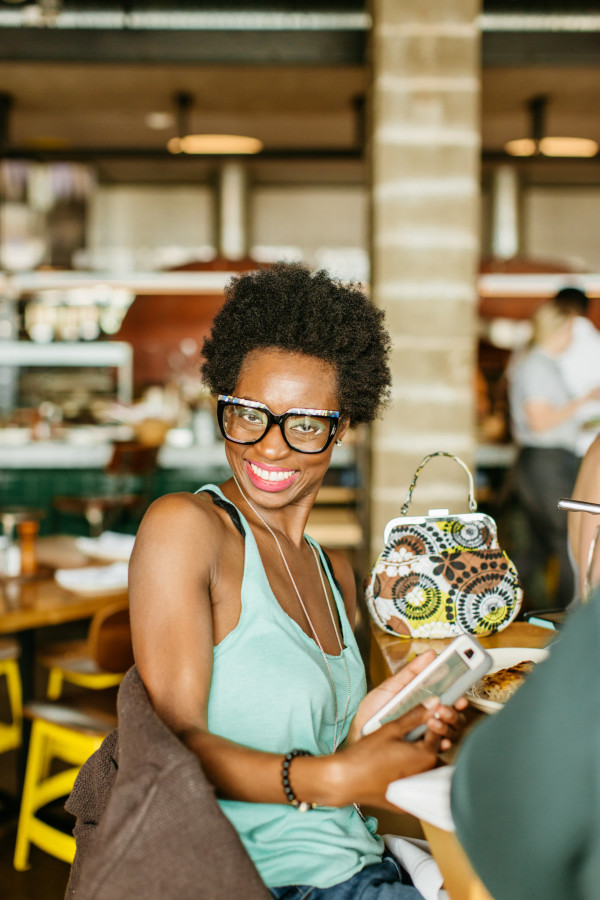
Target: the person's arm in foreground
pixel 525 789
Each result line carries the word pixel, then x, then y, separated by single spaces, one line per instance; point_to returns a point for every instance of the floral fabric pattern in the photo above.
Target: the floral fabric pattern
pixel 440 577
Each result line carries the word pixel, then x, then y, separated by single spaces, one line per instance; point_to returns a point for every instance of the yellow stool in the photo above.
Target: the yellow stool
pixel 79 670
pixel 98 662
pixel 10 733
pixel 66 734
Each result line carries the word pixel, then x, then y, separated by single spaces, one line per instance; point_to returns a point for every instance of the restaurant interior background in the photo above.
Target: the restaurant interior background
pixel 117 236
pixel 115 242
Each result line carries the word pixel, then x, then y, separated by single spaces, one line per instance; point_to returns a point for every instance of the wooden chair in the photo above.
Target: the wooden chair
pixel 10 732
pixel 131 463
pixel 100 661
pixel 69 733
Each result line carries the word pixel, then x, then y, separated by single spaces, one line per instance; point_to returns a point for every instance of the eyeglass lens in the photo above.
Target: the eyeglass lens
pixel 245 424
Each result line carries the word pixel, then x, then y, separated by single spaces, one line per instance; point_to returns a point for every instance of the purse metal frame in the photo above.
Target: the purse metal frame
pixel 421 520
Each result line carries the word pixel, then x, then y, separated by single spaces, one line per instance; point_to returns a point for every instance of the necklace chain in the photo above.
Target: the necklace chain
pixel 337 735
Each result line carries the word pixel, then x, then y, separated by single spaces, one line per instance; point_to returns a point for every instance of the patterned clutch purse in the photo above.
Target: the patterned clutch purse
pixel 441 575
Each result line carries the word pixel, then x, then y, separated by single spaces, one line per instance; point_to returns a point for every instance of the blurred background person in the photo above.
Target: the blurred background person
pixel 580 363
pixel 543 414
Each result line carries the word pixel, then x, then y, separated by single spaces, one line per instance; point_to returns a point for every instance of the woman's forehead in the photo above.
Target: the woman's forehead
pixel 285 378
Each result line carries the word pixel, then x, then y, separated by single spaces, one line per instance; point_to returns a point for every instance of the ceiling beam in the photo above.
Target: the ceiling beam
pixel 90 154
pixel 231 48
pixel 268 48
pixel 542 48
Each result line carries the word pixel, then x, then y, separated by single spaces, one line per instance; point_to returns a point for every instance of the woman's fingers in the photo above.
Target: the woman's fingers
pixel 390 687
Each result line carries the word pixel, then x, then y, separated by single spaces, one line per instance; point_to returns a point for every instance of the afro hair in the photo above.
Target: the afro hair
pixel 286 306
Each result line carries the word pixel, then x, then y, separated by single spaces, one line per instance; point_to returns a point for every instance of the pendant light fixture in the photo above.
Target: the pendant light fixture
pixel 208 144
pixel 541 145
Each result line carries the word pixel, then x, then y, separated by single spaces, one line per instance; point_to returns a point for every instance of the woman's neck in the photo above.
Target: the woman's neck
pixel 288 521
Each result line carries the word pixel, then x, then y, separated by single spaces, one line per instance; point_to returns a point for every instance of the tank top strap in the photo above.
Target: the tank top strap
pixel 254 571
pixel 231 510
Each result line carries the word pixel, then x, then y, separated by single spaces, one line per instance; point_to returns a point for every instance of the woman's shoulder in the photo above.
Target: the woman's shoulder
pixel 174 506
pixel 180 519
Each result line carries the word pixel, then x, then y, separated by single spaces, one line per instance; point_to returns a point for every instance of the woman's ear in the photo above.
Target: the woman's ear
pixel 342 428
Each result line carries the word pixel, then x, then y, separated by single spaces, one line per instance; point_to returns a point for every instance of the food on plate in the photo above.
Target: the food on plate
pixel 499 686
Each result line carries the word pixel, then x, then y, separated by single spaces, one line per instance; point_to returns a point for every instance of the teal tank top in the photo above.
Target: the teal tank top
pixel 271 691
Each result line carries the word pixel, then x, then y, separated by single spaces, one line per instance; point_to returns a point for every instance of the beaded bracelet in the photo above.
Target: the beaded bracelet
pixel 301 806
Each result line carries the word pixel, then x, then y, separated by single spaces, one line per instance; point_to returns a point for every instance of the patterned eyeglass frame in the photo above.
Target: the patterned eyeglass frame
pixel 224 400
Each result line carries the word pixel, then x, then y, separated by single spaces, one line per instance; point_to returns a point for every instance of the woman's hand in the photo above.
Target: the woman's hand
pixel 442 720
pixel 362 772
pixel 364 768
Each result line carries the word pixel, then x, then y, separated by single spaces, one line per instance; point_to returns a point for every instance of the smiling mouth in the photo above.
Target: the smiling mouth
pixel 274 476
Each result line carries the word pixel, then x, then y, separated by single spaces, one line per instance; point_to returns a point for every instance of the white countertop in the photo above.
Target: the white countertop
pixel 65 455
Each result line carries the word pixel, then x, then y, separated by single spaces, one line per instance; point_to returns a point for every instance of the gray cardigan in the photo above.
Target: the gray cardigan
pixel 148 823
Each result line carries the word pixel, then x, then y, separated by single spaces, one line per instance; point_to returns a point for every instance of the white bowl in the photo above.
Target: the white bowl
pixel 94 581
pixel 110 546
pixel 503 657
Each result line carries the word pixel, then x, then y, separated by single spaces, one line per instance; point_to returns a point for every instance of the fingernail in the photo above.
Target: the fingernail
pixel 431 702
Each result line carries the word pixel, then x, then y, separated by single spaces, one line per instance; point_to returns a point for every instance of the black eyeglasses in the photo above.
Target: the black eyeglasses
pixel 304 430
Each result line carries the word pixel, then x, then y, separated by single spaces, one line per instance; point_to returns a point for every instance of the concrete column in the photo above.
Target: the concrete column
pixel 425 161
pixel 233 212
pixel 505 212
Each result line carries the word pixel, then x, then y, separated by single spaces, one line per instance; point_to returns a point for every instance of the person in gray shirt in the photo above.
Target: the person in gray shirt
pixel 544 426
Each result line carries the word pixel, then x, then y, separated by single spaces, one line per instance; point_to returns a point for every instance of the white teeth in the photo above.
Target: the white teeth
pixel 269 475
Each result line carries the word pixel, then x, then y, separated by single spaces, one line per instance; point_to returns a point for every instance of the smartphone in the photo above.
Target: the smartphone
pixel 448 676
pixel 579 506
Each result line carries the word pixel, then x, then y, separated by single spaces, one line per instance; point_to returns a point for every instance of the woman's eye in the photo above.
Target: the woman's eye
pixel 307 426
pixel 251 416
pixel 247 415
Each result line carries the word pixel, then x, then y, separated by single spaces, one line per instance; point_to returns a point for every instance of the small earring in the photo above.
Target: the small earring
pixel 338 443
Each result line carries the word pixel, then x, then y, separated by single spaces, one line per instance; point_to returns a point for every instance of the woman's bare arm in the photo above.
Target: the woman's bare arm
pixel 582 525
pixel 174 568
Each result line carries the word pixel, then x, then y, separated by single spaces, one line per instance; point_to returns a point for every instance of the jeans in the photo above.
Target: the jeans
pixel 386 880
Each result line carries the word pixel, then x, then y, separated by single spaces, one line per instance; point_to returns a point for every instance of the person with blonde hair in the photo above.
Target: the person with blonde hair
pixel 544 425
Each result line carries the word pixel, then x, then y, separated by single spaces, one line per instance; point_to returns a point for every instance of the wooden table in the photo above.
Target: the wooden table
pixel 460 880
pixel 387 653
pixel 27 604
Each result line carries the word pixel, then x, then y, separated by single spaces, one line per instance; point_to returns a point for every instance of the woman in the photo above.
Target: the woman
pixel 544 425
pixel 242 625
pixel 584 541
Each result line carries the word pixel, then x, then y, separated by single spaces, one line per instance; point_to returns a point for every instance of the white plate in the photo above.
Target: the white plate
pixel 109 546
pixel 502 657
pixel 94 581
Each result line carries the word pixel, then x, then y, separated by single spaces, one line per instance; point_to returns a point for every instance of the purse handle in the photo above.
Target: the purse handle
pixel 472 501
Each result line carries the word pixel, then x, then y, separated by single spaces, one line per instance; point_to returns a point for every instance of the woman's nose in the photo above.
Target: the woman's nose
pixel 272 444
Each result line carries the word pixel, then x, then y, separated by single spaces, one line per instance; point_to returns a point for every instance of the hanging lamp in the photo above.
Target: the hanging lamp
pixel 208 144
pixel 541 145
